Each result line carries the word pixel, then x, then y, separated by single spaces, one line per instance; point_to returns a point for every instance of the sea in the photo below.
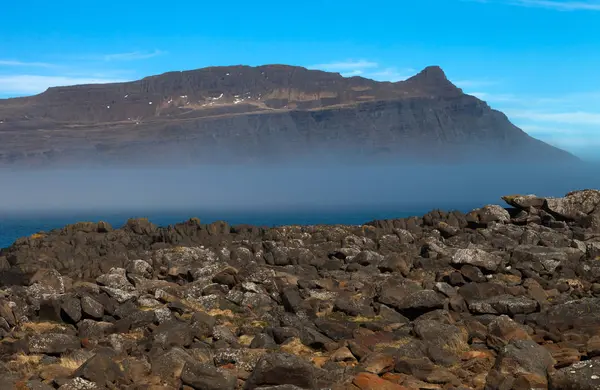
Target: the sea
pixel 16 225
pixel 34 201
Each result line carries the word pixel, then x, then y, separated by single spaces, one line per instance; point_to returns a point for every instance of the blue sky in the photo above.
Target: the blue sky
pixel 536 60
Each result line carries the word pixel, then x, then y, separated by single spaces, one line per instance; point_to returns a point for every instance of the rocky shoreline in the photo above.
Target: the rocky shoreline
pixel 499 298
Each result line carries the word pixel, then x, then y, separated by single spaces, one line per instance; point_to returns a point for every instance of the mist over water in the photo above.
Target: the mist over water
pixel 310 192
pixel 285 187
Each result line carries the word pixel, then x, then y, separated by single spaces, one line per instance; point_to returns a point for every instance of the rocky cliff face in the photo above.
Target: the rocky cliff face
pixel 498 298
pixel 248 113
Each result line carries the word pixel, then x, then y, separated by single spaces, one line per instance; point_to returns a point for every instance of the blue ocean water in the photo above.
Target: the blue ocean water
pixel 15 225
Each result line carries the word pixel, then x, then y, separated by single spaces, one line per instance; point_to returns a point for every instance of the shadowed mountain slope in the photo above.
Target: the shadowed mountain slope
pixel 273 112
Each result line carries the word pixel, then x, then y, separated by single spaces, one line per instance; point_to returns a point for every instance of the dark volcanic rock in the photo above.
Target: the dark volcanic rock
pixel 100 369
pixel 493 303
pixel 205 377
pixel 579 376
pixel 282 369
pixel 521 363
pixel 478 258
pixel 53 343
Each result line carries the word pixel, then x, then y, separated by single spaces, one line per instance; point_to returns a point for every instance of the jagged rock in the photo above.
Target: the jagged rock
pixel 205 377
pixel 504 304
pixel 79 384
pixel 49 278
pixel 173 333
pixel 71 306
pixel 502 330
pixel 521 364
pixel 579 376
pixel 282 369
pixel 263 341
pixel 169 365
pixel 115 279
pixel 91 308
pixel 368 381
pixel 52 343
pixel 89 329
pixel 574 205
pixel 488 214
pixel 378 363
pixel 524 202
pixel 423 369
pixel 100 369
pixel 478 258
pixel 141 268
pixel 7 314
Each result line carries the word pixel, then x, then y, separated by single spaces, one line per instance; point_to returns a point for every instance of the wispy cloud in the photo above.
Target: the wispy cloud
pixel 132 56
pixel 16 63
pixel 559 5
pixel 566 5
pixel 353 73
pixel 566 101
pixel 573 118
pixel 350 65
pixel 568 120
pixel 392 74
pixel 365 68
pixel 32 84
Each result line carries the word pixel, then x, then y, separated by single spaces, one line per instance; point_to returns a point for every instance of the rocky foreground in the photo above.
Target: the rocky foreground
pixel 495 299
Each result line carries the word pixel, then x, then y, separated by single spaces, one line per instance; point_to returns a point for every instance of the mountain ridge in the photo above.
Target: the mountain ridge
pixel 214 111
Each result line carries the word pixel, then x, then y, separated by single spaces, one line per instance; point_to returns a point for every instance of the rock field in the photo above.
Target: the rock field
pixel 499 298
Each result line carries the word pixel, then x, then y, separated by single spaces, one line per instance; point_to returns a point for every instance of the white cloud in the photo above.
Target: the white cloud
pixel 33 84
pixel 559 5
pixel 349 65
pixel 567 5
pixel 392 74
pixel 131 56
pixel 353 73
pixel 26 64
pixel 365 68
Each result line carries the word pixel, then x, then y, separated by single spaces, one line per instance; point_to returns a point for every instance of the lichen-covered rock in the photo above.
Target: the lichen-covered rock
pixel 575 205
pixel 579 376
pixel 53 343
pixel 478 258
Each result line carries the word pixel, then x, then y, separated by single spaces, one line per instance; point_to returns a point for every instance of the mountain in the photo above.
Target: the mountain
pixel 272 112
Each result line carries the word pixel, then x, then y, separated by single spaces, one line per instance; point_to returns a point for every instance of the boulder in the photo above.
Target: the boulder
pixel 52 343
pixel 282 369
pixel 579 376
pixel 521 364
pixel 478 258
pixel 206 377
pixel 575 205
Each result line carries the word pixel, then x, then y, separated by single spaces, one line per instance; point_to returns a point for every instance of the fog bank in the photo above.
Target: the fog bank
pixel 286 187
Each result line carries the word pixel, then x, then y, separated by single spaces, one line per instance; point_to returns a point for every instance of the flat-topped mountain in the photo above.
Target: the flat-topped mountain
pixel 249 113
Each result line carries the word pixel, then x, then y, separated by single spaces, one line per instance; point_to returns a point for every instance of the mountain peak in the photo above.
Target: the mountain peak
pixel 433 72
pixel 433 79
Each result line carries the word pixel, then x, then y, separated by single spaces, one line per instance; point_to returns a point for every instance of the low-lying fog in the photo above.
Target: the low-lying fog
pixel 283 187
